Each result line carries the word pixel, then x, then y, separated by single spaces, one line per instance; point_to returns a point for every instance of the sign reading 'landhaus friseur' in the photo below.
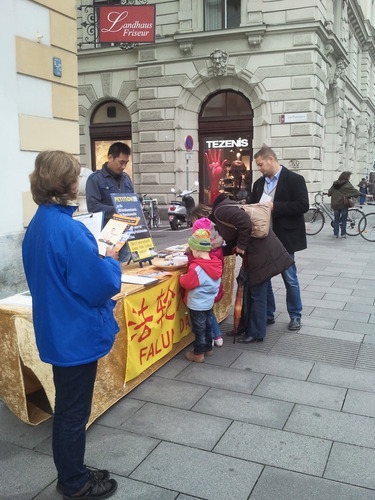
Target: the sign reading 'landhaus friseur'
pixel 134 24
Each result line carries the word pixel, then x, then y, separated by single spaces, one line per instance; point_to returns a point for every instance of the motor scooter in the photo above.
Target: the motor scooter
pixel 179 212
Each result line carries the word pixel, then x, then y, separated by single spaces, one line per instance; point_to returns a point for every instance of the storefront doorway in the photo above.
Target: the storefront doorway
pixel 110 122
pixel 225 126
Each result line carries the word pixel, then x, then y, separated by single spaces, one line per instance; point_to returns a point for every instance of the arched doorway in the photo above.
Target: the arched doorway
pixel 226 125
pixel 110 122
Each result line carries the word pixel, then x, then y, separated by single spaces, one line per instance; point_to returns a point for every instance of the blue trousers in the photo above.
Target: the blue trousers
pixel 215 327
pixel 74 390
pixel 293 294
pixel 340 216
pixel 258 311
pixel 201 324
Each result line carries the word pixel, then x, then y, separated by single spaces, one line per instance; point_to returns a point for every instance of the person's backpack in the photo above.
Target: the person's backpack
pixel 260 216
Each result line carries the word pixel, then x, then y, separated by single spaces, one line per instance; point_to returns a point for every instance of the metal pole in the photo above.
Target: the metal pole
pixel 187 174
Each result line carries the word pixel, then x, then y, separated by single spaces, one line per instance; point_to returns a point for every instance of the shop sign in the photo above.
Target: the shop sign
pixel 294 118
pixel 237 143
pixel 124 24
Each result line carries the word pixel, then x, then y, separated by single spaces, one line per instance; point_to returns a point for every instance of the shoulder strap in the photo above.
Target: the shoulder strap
pixel 221 221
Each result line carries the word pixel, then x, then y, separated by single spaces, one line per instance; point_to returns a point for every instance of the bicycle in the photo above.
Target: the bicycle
pixel 367 227
pixel 315 217
pixel 150 210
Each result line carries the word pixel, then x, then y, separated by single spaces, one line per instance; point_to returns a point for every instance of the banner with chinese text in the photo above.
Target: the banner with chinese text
pixel 155 320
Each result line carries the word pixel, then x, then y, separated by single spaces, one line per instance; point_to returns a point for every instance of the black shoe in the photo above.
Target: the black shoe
pixel 97 475
pixel 270 321
pixel 94 490
pixel 248 340
pixel 232 333
pixel 295 324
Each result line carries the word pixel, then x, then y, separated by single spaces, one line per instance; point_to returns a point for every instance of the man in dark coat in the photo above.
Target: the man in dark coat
pixel 288 193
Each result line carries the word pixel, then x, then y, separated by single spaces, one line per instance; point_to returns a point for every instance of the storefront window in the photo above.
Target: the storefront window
pixel 225 145
pixel 227 166
pixel 109 123
pixel 221 14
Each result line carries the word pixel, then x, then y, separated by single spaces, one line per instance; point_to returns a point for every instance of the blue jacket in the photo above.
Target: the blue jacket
pixel 99 187
pixel 201 283
pixel 71 288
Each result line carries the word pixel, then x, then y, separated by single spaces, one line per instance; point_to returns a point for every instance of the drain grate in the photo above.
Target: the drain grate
pixel 366 357
pixel 319 349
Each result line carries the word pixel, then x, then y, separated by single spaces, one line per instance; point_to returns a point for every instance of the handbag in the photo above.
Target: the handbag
pixel 348 202
pixel 260 216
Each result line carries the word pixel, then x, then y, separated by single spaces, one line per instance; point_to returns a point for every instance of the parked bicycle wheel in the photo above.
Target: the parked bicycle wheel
pixel 352 225
pixel 314 221
pixel 156 218
pixel 367 227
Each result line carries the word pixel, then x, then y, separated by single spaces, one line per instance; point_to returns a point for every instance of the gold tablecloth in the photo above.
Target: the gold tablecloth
pixel 26 383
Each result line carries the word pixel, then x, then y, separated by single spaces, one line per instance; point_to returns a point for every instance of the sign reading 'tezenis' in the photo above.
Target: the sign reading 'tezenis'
pixel 134 24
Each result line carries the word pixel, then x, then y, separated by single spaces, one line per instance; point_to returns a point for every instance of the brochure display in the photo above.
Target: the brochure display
pixel 138 237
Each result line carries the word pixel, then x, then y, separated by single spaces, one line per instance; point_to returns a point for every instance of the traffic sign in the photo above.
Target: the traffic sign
pixel 189 143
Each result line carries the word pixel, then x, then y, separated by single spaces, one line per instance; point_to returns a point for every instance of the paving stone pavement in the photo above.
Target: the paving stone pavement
pixel 291 418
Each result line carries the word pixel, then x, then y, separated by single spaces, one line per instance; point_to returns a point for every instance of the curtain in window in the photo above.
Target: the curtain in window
pixel 213 15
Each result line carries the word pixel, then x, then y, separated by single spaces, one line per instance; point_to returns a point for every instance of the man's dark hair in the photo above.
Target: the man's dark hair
pixel 118 148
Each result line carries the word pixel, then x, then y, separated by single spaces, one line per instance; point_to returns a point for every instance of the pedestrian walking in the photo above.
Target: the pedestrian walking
pixel 341 191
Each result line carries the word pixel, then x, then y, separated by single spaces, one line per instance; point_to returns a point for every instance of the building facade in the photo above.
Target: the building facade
pixel 234 75
pixel 39 104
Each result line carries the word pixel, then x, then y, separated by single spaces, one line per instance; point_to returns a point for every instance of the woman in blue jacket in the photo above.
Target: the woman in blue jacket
pixel 71 288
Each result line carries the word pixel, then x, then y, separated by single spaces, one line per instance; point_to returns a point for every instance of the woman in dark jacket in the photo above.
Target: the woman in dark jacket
pixel 339 190
pixel 265 258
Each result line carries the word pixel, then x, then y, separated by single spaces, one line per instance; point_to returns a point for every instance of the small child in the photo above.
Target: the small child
pixel 201 283
pixel 216 251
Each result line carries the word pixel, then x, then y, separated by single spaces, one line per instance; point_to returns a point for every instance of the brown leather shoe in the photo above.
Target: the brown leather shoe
pixel 197 358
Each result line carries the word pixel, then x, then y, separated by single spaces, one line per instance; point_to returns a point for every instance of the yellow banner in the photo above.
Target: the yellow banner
pixel 156 318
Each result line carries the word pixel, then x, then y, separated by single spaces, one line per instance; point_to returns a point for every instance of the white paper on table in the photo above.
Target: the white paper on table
pixel 138 280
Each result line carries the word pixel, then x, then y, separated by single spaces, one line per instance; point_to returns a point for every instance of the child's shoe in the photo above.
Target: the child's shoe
pixel 218 341
pixel 198 358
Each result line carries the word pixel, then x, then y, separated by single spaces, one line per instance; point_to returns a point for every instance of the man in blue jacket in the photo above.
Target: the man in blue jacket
pixel 112 178
pixel 71 288
pixel 287 192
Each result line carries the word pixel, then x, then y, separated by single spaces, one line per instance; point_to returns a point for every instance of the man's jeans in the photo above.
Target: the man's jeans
pixel 340 216
pixel 201 324
pixel 258 311
pixel 74 390
pixel 293 294
pixel 271 305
